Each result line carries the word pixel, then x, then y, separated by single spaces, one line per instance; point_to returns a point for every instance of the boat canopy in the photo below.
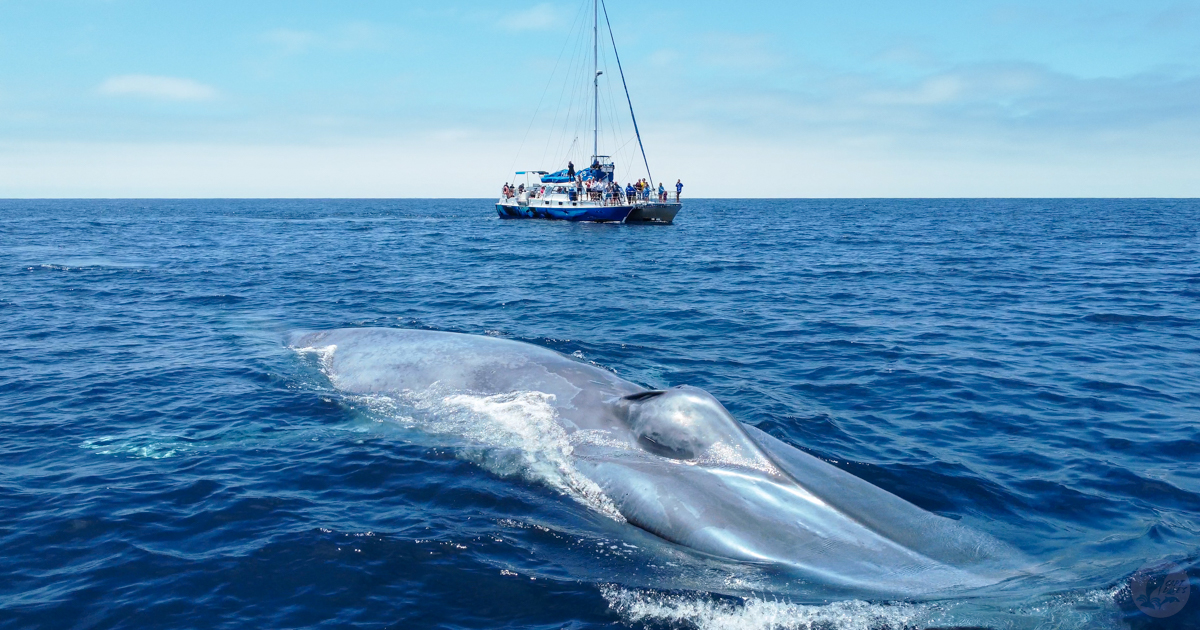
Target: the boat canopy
pixel 560 177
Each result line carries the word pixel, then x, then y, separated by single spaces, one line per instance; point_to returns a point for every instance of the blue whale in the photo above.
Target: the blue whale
pixel 673 462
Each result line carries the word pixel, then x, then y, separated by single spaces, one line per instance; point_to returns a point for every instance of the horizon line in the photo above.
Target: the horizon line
pixel 1130 198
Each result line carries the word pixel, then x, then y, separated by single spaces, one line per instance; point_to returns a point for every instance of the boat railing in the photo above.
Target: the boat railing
pixel 604 199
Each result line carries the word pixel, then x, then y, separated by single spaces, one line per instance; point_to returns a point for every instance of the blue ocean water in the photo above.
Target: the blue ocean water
pixel 1030 367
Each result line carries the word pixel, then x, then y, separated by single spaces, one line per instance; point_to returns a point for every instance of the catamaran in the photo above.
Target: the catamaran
pixel 591 193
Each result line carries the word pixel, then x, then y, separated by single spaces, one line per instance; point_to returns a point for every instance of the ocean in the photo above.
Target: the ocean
pixel 1030 368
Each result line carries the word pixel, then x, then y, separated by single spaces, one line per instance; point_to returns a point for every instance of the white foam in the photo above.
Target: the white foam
pixel 707 613
pixel 522 435
pixel 512 434
pixel 324 356
pixel 1088 609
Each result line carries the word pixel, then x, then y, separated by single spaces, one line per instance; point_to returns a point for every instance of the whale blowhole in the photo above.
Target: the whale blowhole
pixel 681 423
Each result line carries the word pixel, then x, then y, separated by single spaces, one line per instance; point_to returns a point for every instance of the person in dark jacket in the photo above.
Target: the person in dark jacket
pixel 570 170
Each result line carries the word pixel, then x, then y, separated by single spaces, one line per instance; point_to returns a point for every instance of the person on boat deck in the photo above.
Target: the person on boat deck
pixel 506 190
pixel 630 191
pixel 595 164
pixel 678 188
pixel 662 192
pixel 570 169
pixel 520 189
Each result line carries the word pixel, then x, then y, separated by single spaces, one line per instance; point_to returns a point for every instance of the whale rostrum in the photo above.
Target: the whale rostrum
pixel 677 464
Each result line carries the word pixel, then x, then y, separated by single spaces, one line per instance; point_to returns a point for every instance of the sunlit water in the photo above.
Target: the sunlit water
pixel 1031 368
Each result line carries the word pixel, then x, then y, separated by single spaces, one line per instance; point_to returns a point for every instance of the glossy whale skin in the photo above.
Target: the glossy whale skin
pixel 676 463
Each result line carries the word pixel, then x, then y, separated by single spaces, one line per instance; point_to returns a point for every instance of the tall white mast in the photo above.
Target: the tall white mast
pixel 595 78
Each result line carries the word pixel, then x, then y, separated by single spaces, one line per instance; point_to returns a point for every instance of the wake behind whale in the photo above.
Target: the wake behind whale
pixel 672 462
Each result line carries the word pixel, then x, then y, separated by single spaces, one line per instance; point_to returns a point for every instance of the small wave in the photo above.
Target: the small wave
pixel 1119 318
pixel 82 264
pixel 54 267
pixel 214 299
pixel 140 447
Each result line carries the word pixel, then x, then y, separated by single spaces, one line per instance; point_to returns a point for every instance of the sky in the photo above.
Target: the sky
pixel 925 98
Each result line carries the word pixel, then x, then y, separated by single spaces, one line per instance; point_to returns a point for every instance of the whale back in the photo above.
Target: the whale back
pixel 674 462
pixel 432 363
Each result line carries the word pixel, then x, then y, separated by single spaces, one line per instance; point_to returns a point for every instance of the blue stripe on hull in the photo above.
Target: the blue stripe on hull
pixel 594 213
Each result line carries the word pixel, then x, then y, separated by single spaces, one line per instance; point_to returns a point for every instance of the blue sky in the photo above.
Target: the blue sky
pixel 753 98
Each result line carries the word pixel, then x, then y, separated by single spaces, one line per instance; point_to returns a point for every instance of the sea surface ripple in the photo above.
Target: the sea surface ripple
pixel 1031 367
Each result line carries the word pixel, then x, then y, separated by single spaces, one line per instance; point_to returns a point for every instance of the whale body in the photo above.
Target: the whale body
pixel 677 464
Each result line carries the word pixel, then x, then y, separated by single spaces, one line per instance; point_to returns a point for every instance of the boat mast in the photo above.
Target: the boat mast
pixel 595 78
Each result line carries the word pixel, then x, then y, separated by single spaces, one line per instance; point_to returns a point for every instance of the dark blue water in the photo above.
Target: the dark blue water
pixel 1029 367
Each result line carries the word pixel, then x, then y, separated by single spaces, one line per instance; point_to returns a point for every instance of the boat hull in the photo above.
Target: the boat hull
pixel 654 213
pixel 596 214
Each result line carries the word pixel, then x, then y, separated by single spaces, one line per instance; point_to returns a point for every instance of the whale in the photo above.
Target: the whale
pixel 675 463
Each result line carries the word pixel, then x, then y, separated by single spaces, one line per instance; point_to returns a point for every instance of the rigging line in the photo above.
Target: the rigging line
pixel 627 98
pixel 539 105
pixel 571 91
pixel 616 129
pixel 576 86
pixel 595 81
pixel 577 95
pixel 566 80
pixel 568 131
pixel 584 108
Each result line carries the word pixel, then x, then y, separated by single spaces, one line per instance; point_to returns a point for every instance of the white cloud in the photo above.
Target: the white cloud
pixel 663 58
pixel 905 55
pixel 154 87
pixel 539 17
pixel 740 52
pixel 289 41
pixel 348 36
pixel 931 91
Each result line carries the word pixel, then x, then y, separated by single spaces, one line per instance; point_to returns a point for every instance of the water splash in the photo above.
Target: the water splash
pixel 522 436
pixel 703 612
pixel 1089 609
